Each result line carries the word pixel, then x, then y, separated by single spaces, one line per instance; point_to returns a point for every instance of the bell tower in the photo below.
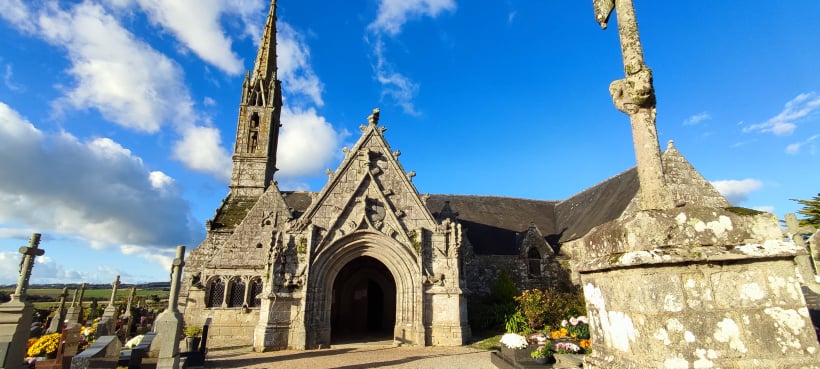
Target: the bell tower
pixel 257 131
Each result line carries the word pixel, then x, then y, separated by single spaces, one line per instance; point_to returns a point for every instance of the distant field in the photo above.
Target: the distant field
pixel 102 295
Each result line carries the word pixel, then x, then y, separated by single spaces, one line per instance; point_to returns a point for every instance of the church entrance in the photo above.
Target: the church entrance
pixel 364 302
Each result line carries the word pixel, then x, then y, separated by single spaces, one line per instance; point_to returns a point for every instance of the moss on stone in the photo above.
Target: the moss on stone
pixel 743 211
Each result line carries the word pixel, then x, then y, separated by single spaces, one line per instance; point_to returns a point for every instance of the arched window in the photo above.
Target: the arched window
pixel 237 293
pixel 534 262
pixel 216 293
pixel 256 292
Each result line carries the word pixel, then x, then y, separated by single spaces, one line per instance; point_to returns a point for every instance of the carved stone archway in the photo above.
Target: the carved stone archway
pixel 400 260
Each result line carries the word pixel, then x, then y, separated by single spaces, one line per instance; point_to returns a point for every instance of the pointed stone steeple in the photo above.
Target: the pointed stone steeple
pixel 257 131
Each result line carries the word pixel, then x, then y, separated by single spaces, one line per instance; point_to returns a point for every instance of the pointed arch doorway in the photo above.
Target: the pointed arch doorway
pixel 363 306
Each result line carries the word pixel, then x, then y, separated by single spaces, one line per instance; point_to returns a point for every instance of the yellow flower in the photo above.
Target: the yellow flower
pixel 45 345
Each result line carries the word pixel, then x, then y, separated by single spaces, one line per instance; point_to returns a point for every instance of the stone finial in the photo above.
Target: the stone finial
pixel 374 117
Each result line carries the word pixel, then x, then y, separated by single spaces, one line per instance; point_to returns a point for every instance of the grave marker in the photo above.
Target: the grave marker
pixel 16 315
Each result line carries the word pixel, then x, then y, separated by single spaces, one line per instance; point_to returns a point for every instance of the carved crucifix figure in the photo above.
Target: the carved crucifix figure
pixel 635 96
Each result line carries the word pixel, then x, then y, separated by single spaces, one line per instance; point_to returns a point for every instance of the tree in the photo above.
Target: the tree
pixel 811 211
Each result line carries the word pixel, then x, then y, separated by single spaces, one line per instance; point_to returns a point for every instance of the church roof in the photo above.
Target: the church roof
pixel 492 223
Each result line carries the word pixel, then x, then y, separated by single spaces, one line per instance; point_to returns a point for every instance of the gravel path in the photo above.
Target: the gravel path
pixel 355 356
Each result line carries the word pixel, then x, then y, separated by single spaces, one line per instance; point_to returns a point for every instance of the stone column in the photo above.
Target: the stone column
pixel 16 315
pixel 635 96
pixel 694 287
pixel 59 317
pixel 169 323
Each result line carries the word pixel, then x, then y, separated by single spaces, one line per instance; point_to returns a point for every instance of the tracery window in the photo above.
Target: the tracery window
pixel 236 296
pixel 255 293
pixel 216 293
pixel 534 262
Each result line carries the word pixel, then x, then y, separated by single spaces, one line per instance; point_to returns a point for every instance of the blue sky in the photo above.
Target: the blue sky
pixel 118 117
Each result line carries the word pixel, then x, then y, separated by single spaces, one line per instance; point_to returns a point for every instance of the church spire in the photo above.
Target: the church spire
pixel 257 131
pixel 264 69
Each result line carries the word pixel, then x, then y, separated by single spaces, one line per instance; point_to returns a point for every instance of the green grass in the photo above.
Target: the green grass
pixel 489 343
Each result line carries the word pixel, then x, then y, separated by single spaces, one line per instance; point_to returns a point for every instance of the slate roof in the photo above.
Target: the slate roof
pixel 492 223
pixel 596 205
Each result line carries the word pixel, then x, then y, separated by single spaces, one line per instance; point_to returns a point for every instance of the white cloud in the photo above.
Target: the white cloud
pixel 125 79
pixel 393 14
pixel 795 147
pixel 95 191
pixel 7 79
pixel 200 149
pixel 766 208
pixel 399 88
pixel 697 118
pixel 737 191
pixel 308 143
pixel 196 23
pixel 784 123
pixel 295 71
pixel 16 13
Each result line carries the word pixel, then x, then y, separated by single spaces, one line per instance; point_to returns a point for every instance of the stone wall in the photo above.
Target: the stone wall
pixel 695 287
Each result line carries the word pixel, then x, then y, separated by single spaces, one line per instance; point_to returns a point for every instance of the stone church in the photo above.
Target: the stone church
pixel 368 257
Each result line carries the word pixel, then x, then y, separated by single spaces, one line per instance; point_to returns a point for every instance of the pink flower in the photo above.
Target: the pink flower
pixel 573 321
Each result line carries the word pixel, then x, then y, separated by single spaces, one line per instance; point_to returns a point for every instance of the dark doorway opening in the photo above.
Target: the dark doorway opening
pixel 364 302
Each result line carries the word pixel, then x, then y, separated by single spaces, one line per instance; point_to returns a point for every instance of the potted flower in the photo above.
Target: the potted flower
pixel 513 346
pixel 568 353
pixel 543 355
pixel 192 337
pixel 46 346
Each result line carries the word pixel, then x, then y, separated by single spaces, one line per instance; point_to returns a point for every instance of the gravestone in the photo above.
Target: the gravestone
pixel 58 321
pixel 798 234
pixel 169 323
pixel 16 315
pixel 75 312
pixel 111 310
pixel 127 317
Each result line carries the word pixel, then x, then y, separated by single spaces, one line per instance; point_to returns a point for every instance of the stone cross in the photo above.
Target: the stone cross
pixel 75 313
pixel 635 96
pixel 169 323
pixel 56 325
pixel 29 253
pixel 111 309
pixel 127 316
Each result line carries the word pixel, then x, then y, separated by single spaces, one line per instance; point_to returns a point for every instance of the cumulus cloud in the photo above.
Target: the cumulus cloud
pixel 785 122
pixel 809 142
pixel 196 24
pixel 125 79
pixel 201 150
pixel 295 70
pixel 697 118
pixel 96 190
pixel 308 143
pixel 392 15
pixel 737 191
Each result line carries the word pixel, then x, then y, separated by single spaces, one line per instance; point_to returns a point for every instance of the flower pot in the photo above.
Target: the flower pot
pixel 192 343
pixel 544 360
pixel 569 360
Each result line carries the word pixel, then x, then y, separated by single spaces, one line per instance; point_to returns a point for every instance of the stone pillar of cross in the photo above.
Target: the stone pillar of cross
pixel 634 95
